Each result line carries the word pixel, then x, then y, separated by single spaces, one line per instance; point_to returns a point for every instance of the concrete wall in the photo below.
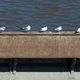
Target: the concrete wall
pixel 39 45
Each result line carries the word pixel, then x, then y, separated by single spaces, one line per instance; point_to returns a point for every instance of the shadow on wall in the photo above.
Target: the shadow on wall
pixel 38 65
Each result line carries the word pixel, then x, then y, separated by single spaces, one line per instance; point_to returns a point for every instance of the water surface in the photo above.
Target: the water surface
pixel 38 13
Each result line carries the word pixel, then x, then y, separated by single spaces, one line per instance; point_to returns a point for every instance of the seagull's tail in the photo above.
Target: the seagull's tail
pixel 76 32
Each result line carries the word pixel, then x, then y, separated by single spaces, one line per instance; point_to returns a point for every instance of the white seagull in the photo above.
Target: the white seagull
pixel 2 29
pixel 78 30
pixel 58 28
pixel 28 28
pixel 44 29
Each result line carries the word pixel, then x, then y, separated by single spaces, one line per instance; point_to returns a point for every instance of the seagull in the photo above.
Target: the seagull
pixel 28 28
pixel 2 29
pixel 78 30
pixel 58 28
pixel 44 29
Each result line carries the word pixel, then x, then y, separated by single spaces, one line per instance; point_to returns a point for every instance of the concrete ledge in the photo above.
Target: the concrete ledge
pixel 39 45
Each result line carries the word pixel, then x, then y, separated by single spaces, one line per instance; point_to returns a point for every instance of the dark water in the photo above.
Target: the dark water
pixel 39 13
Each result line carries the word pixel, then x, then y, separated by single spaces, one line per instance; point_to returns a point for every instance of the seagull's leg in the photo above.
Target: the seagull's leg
pixel 72 67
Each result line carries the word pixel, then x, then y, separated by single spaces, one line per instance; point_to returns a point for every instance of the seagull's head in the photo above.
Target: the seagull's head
pixel 28 27
pixel 3 27
pixel 60 28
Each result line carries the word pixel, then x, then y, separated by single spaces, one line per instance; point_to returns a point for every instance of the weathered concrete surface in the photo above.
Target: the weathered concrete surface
pixel 39 76
pixel 5 76
pixel 42 76
pixel 39 45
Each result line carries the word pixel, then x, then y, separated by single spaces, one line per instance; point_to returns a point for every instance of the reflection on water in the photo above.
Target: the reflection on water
pixel 38 13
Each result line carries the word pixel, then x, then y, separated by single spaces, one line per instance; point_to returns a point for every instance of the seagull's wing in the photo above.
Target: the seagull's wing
pixel 58 28
pixel 78 30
